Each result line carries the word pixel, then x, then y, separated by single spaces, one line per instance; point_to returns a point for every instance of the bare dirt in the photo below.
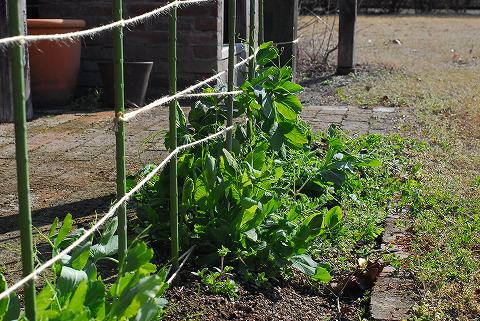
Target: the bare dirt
pixel 292 300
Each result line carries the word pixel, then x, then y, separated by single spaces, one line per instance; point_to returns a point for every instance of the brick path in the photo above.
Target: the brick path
pixel 380 120
pixel 72 161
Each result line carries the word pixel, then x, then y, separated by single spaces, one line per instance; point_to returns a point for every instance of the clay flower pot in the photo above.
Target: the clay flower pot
pixel 54 66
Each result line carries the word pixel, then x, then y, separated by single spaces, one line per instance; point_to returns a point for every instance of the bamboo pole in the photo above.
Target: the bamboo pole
pixel 252 45
pixel 120 130
pixel 175 248
pixel 232 13
pixel 16 26
pixel 261 22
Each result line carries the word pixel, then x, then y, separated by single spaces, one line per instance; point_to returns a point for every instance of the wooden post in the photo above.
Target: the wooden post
pixel 281 25
pixel 346 36
pixel 6 109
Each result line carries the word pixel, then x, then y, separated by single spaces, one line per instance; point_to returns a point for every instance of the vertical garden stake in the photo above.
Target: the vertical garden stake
pixel 251 41
pixel 232 12
pixel 261 22
pixel 21 155
pixel 120 130
pixel 252 46
pixel 173 136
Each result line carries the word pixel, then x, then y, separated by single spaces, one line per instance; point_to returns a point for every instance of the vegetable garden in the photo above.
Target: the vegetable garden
pixel 273 201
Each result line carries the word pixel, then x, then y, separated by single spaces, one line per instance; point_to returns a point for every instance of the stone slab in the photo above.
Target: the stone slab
pixel 389 302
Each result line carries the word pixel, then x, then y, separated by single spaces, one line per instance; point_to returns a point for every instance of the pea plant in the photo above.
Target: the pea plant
pixel 272 199
pixel 78 292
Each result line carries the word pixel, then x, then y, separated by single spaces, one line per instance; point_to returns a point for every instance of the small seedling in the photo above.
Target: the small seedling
pixel 219 281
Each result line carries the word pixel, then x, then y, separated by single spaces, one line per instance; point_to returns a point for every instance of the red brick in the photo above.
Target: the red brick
pixel 206 52
pixel 206 24
pixel 204 10
pixel 147 37
pixel 135 9
pixel 198 38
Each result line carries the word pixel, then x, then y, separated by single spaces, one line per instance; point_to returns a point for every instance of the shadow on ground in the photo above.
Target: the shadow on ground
pixel 45 216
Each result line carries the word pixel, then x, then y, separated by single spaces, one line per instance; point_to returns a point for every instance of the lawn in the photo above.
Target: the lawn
pixel 429 67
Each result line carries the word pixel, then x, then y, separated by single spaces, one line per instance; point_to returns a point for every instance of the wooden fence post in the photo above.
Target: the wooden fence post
pixel 346 36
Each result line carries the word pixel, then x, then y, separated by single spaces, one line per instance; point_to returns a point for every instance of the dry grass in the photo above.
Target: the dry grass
pixel 430 67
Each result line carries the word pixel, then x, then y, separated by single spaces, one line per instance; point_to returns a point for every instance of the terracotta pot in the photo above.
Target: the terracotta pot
pixel 54 66
pixel 136 75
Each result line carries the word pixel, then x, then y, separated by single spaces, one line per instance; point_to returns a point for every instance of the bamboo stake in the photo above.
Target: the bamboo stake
pixel 261 22
pixel 232 12
pixel 120 129
pixel 16 24
pixel 175 248
pixel 252 45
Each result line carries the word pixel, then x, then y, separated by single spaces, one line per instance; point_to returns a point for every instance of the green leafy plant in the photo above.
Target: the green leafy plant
pixel 78 292
pixel 219 282
pixel 244 199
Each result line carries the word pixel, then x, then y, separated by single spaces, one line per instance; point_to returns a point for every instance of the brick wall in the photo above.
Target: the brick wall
pixel 200 39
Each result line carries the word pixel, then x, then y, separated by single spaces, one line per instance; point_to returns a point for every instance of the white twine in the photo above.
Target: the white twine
pixel 287 42
pixel 223 93
pixel 164 100
pixel 186 255
pixel 95 31
pixel 109 214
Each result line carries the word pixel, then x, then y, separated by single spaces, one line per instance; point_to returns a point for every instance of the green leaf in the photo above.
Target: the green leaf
pixel 304 263
pixel 13 312
pixel 266 53
pixel 4 302
pixel 332 217
pixel 80 255
pixel 95 299
pixel 181 119
pixel 44 298
pixel 230 159
pixel 267 107
pixel 103 250
pixel 78 298
pixel 109 231
pixel 371 163
pixel 211 171
pixel 291 101
pixel 258 156
pixel 252 235
pixel 53 228
pixel 250 207
pixel 335 177
pixel 296 138
pixel 291 87
pixel 64 230
pixel 187 194
pixel 277 139
pixel 137 256
pixel 201 193
pixel 151 309
pixel 68 280
pixel 288 113
pixel 134 297
pixel 322 275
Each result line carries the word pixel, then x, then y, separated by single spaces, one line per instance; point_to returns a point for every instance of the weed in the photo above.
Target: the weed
pixel 219 281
